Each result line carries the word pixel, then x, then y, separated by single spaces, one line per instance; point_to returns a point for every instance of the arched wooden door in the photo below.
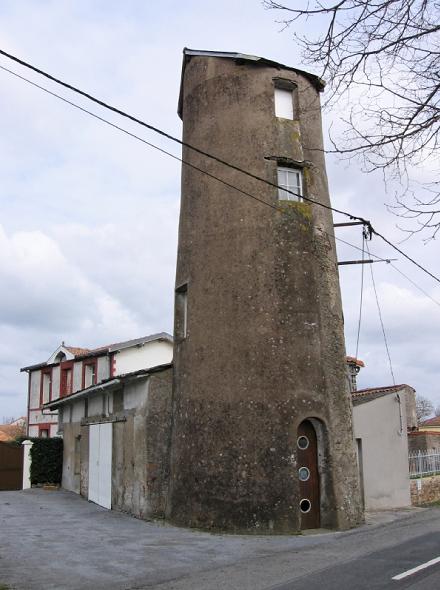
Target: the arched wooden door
pixel 307 453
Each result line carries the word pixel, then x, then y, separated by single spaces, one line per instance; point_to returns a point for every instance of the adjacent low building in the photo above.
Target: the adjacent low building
pixel 71 369
pixel 426 437
pixel 116 441
pixel 382 416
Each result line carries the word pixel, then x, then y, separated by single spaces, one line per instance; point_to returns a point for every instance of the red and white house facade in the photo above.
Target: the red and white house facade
pixel 70 369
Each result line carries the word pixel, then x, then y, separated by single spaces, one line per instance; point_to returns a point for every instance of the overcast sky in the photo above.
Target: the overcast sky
pixel 88 225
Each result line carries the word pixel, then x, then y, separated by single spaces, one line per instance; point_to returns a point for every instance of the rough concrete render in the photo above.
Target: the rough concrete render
pixel 264 344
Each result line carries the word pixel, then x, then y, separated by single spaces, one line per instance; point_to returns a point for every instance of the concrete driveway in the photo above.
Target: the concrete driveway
pixel 58 540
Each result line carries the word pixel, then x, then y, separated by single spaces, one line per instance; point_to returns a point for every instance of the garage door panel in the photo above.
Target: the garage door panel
pixel 105 465
pixel 100 464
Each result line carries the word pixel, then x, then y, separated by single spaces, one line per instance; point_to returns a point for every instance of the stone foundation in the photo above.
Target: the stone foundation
pixel 425 490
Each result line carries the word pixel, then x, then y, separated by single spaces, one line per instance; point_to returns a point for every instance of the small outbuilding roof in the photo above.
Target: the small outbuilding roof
pixel 351 360
pixel 242 57
pixel 106 384
pixel 365 395
pixel 431 422
pixel 423 433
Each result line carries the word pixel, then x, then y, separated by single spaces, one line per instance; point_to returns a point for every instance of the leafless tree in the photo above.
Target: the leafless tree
pixel 383 58
pixel 424 408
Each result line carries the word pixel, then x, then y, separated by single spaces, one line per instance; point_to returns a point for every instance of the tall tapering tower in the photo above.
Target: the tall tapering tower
pixel 262 435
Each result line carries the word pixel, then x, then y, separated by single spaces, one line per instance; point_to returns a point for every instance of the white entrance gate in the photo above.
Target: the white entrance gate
pixel 100 464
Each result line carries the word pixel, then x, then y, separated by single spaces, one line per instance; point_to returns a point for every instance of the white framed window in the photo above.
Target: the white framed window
pixel 284 103
pixel 289 179
pixel 89 374
pixel 47 387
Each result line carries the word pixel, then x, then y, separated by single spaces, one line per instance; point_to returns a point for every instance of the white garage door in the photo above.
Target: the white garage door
pixel 100 464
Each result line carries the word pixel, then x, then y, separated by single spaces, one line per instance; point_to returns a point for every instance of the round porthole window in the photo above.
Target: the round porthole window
pixel 305 505
pixel 303 473
pixel 302 442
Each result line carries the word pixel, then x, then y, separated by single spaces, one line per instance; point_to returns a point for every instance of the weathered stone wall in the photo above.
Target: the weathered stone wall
pixel 71 471
pixel 265 346
pixel 141 448
pixel 84 479
pixel 425 490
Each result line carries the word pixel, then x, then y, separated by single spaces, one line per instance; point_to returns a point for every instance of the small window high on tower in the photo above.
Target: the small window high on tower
pixel 290 179
pixel 284 103
pixel 181 311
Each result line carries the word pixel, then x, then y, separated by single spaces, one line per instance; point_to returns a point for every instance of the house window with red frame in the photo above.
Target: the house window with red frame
pixel 66 381
pixel 89 373
pixel 46 386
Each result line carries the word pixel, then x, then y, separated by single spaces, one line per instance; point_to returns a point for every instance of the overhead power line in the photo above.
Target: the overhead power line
pixel 365 222
pixel 381 320
pixel 152 145
pixel 361 298
pixel 167 153
pixel 155 147
pixel 415 284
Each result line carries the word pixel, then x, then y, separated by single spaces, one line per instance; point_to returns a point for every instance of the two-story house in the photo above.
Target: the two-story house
pixel 70 369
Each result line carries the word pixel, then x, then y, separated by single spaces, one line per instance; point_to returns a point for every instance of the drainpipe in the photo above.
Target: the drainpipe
pixel 399 401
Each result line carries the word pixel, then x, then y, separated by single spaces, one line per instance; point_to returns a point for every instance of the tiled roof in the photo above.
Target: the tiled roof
pixel 365 395
pixel 108 382
pixel 75 350
pixel 80 353
pixel 423 432
pixel 431 422
pixel 127 344
pixel 10 431
pixel 353 360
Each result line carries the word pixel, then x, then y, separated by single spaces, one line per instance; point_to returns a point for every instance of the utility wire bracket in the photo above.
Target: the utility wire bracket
pixel 348 223
pixel 369 261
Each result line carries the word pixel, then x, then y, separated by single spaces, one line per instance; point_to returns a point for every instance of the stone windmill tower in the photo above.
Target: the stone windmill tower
pixel 262 432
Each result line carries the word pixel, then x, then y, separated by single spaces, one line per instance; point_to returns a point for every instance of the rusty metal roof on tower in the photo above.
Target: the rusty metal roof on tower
pixel 242 57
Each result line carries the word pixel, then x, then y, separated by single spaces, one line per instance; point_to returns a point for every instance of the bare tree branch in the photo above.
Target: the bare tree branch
pixel 384 56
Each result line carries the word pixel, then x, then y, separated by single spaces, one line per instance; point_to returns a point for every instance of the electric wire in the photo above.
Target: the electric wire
pixel 380 259
pixel 133 135
pixel 152 145
pixel 171 137
pixel 365 222
pixel 415 284
pixel 361 297
pixel 405 255
pixel 381 320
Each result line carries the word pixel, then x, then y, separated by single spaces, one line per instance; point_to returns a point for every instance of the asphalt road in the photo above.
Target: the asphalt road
pixel 377 569
pixel 59 541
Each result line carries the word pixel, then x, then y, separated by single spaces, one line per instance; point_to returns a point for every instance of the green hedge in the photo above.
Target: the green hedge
pixel 47 460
